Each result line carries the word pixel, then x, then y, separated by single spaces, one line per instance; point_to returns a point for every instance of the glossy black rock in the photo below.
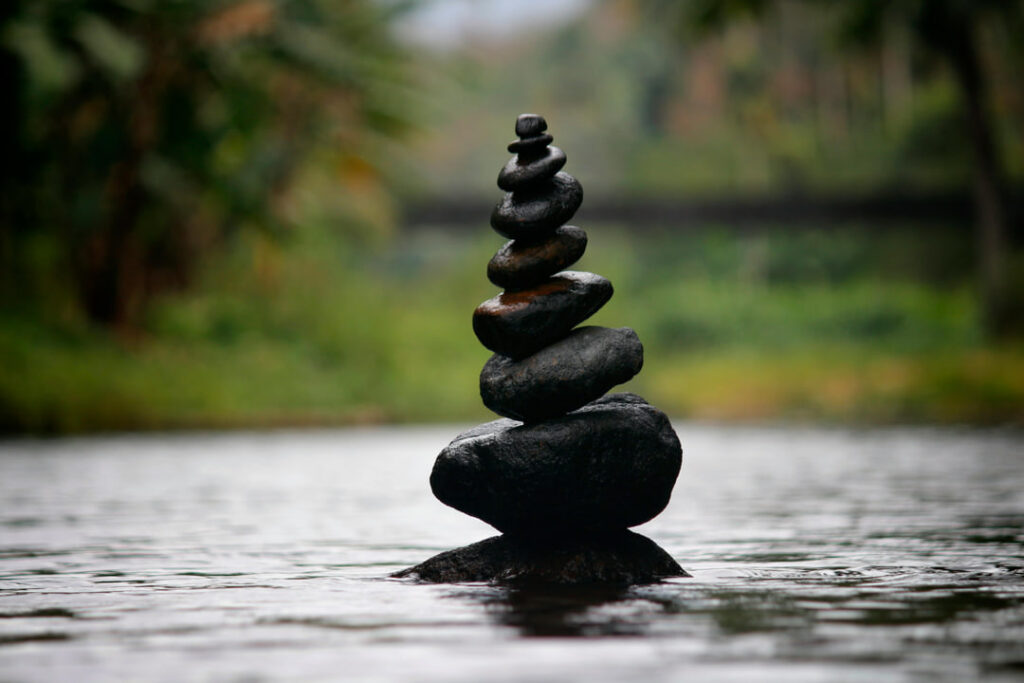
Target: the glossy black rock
pixel 609 465
pixel 534 213
pixel 531 145
pixel 622 558
pixel 519 173
pixel 563 376
pixel 530 125
pixel 519 265
pixel 519 323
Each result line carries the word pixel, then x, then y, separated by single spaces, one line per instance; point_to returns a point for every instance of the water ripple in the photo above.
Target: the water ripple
pixel 889 555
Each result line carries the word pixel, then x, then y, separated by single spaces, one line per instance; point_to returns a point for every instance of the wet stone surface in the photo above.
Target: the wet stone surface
pixel 531 145
pixel 623 558
pixel 520 173
pixel 519 323
pixel 563 376
pixel 607 466
pixel 535 212
pixel 530 125
pixel 519 265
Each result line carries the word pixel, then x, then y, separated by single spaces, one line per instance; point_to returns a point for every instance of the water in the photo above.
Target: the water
pixel 817 555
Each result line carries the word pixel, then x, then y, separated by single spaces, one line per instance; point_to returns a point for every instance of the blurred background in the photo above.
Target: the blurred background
pixel 250 213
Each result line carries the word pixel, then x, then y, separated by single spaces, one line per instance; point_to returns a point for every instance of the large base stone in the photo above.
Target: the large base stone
pixel 623 558
pixel 609 465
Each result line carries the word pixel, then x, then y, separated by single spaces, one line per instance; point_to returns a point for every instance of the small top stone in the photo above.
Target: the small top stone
pixel 529 125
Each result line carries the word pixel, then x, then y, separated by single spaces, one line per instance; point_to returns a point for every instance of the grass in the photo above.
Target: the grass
pixel 846 385
pixel 319 332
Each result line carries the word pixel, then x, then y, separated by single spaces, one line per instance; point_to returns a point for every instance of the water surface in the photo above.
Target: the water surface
pixel 817 555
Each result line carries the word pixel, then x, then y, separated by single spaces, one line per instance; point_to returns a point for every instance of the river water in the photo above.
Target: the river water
pixel 816 554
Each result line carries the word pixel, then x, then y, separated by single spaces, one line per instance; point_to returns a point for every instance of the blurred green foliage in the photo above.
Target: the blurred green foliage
pixel 141 134
pixel 644 104
pixel 801 325
pixel 949 31
pixel 240 158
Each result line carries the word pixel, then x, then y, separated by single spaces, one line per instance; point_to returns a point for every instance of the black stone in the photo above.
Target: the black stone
pixel 519 265
pixel 622 558
pixel 605 467
pixel 563 376
pixel 534 212
pixel 530 145
pixel 530 125
pixel 519 173
pixel 518 323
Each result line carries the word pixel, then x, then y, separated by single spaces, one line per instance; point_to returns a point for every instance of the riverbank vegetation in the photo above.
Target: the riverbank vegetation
pixel 791 326
pixel 203 216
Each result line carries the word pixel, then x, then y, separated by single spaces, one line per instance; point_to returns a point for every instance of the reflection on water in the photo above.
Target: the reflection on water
pixel 559 611
pixel 881 555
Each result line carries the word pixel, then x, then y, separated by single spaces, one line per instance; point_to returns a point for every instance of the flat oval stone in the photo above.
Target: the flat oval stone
pixel 533 213
pixel 531 144
pixel 519 172
pixel 529 125
pixel 518 323
pixel 609 465
pixel 519 265
pixel 563 376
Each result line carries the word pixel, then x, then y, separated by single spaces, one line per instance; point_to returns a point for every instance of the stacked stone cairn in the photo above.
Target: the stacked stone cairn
pixel 566 472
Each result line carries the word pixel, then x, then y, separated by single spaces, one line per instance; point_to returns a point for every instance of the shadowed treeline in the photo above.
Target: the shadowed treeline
pixel 142 135
pixel 245 213
pixel 935 211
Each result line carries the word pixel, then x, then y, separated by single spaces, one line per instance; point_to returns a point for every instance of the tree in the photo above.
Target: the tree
pixel 948 30
pixel 143 132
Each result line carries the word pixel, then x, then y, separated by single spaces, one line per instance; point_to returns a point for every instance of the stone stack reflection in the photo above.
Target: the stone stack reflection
pixel 568 470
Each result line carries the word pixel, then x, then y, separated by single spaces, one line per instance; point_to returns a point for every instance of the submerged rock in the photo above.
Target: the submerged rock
pixel 624 558
pixel 605 467
pixel 563 376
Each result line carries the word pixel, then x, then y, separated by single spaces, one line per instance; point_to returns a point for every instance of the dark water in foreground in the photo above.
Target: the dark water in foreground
pixel 817 555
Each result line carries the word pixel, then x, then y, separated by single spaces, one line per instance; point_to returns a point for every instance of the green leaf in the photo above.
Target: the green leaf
pixel 118 54
pixel 49 68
